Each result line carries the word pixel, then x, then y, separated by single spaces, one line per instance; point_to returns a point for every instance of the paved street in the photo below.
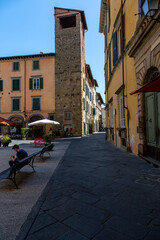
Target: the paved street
pixel 16 204
pixel 97 192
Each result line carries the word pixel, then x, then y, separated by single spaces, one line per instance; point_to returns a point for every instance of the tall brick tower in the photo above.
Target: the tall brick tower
pixel 70 26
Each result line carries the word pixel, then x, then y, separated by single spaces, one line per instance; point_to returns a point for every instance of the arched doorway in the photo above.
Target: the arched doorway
pixel 16 131
pixel 152 117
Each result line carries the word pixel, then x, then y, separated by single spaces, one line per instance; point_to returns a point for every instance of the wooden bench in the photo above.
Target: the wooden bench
pixel 38 141
pixel 46 149
pixel 11 172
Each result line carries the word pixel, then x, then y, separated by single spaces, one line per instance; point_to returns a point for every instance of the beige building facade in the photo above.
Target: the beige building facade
pixel 27 87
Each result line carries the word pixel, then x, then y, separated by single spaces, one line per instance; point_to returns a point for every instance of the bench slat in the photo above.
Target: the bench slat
pixel 5 173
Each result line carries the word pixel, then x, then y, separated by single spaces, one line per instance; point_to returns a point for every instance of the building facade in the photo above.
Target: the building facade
pixel 118 24
pixel 89 101
pixel 27 88
pixel 145 50
pixel 132 58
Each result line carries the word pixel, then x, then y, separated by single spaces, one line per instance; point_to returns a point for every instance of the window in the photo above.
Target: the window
pixel 121 112
pixel 16 104
pixel 87 107
pixel 109 15
pixel 67 116
pixel 51 116
pixel 35 65
pixel 83 84
pixel 15 66
pixel 35 83
pixel 109 62
pixel 106 38
pixel 68 22
pixel 1 85
pixel 16 84
pixel 36 103
pixel 94 111
pixel 144 7
pixel 119 41
pixel 111 115
pixel 83 103
pixel 114 41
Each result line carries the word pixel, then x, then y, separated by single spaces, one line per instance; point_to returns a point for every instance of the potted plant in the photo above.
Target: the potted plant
pixel 5 141
pixel 25 133
pixel 47 138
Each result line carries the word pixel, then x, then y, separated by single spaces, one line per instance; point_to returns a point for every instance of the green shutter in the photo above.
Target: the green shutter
pixel 31 83
pixel 1 85
pixel 16 85
pixel 36 104
pixel 41 83
pixel 16 104
pixel 150 118
pixel 114 39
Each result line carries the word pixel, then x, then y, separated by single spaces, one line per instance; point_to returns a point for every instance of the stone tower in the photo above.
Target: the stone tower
pixel 70 26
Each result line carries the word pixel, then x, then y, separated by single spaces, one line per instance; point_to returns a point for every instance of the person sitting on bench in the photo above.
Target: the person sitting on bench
pixel 20 154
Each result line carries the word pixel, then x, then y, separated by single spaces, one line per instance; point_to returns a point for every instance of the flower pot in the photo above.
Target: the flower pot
pixel 5 144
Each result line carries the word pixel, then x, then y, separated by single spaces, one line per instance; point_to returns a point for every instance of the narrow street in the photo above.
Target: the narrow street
pixel 97 192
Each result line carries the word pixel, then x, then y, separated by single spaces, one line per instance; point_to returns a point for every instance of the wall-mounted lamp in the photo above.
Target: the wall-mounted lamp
pixel 149 8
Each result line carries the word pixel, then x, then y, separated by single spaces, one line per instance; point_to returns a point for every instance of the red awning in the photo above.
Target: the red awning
pixel 152 86
pixel 6 122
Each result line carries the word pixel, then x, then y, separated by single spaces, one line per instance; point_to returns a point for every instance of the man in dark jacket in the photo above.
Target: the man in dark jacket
pixel 20 154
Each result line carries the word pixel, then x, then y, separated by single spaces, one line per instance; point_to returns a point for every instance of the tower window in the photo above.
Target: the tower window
pixel 68 22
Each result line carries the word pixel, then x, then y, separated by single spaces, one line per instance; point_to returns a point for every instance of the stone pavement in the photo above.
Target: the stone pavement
pixel 97 192
pixel 16 204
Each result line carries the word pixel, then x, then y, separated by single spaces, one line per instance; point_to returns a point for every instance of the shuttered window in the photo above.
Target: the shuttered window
pixel 36 103
pixel 15 104
pixel 16 84
pixel 15 66
pixel 109 62
pixel 83 103
pixel 1 85
pixel 35 83
pixel 83 84
pixel 114 41
pixel 36 65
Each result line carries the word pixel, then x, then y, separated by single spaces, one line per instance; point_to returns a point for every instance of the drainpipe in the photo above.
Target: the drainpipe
pixel 25 115
pixel 122 57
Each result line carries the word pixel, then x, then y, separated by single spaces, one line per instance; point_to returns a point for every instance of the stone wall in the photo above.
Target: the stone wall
pixel 68 72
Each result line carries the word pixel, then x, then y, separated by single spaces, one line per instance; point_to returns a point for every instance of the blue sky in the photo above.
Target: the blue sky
pixel 27 27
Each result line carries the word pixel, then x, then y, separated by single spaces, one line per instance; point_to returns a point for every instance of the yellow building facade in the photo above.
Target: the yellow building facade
pixel 27 88
pixel 118 24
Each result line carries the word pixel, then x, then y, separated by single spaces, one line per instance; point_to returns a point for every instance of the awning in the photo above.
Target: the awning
pixel 6 122
pixel 152 86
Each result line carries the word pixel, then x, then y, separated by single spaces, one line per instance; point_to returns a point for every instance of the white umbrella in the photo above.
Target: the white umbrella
pixel 43 122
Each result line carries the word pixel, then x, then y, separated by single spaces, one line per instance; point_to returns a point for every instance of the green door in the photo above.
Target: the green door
pixel 150 119
pixel 158 121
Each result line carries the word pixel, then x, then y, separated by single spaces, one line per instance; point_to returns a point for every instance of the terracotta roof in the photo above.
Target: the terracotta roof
pixel 40 55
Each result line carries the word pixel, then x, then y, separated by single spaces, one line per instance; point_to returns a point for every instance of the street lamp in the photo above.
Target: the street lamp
pixel 153 6
pixel 149 8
